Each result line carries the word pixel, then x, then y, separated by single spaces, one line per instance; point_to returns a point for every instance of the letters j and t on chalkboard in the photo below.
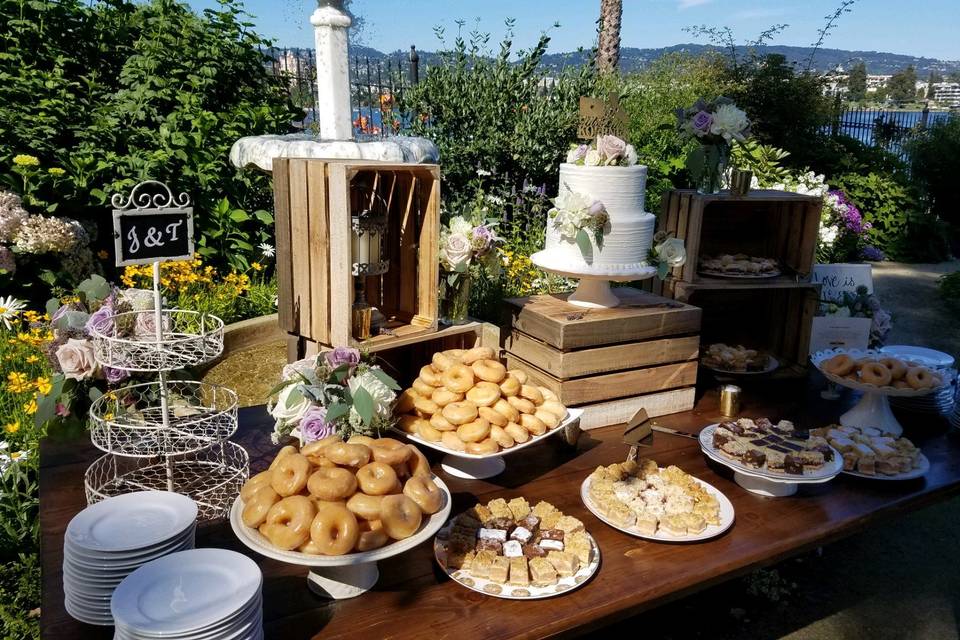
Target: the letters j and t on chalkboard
pixel 153 235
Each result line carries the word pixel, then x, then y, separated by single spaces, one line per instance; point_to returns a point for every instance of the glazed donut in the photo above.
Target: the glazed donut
pixel 489 370
pixel 332 483
pixel 310 548
pixel 422 388
pixel 389 451
pixel 492 416
pixel 406 400
pixel 901 384
pixel 428 375
pixel 521 376
pixel 256 506
pixel 284 452
pixel 547 394
pixel 418 463
pixel 451 440
pixel 555 408
pixel 477 353
pixel 521 404
pixel 251 486
pixel 290 476
pixel 314 450
pixel 507 410
pixel 427 431
pixel 456 354
pixel 484 394
pixel 442 361
pixel 460 412
pixel 438 422
pixel 518 433
pixel 898 370
pixel 458 378
pixel 533 424
pixel 444 396
pixel 377 479
pixel 372 536
pixel 501 437
pixel 410 424
pixel 510 385
pixel 876 374
pixel 483 447
pixel 400 516
pixel 287 525
pixel 425 407
pixel 474 431
pixel 920 378
pixel 348 455
pixel 425 492
pixel 547 418
pixel 360 439
pixel 365 506
pixel 531 393
pixel 839 365
pixel 334 530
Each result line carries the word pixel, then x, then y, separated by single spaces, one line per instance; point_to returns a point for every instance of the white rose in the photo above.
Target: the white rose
pixel 611 148
pixel 457 250
pixel 146 324
pixel 76 359
pixel 630 156
pixel 138 299
pixel 382 396
pixel 291 404
pixel 729 122
pixel 573 156
pixel 672 252
pixel 306 368
pixel 458 224
pixel 592 159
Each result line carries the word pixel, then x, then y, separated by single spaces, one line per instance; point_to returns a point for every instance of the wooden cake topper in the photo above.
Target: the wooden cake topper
pixel 601 117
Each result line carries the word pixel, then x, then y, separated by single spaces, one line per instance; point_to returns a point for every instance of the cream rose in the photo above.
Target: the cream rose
pixel 456 251
pixel 76 359
pixel 630 156
pixel 672 252
pixel 382 396
pixel 291 404
pixel 611 148
pixel 459 224
pixel 592 159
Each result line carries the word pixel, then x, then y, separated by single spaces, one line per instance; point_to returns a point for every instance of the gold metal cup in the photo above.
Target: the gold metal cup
pixel 362 321
pixel 730 400
pixel 740 180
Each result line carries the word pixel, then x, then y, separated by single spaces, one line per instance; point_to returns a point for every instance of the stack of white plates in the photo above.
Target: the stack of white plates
pixel 108 540
pixel 201 594
pixel 955 415
pixel 940 402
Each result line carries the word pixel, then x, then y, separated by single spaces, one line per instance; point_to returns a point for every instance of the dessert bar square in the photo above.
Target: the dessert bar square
pixel 499 570
pixel 543 508
pixel 494 546
pixel 579 544
pixel 566 564
pixel 519 508
pixel 480 567
pixel 522 534
pixel 519 575
pixel 512 549
pixel 542 572
pixel 551 534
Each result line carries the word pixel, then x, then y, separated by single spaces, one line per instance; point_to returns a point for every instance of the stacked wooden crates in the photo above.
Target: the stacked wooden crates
pixel 770 314
pixel 610 362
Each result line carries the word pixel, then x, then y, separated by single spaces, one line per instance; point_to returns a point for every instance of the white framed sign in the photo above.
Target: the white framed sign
pixel 152 228
pixel 836 279
pixel 839 332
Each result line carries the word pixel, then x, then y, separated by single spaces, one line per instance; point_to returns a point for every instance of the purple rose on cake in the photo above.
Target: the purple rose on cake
pixel 341 356
pixel 314 425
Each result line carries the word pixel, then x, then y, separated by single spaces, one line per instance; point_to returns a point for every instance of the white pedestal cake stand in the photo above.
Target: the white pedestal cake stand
pixel 594 288
pixel 346 576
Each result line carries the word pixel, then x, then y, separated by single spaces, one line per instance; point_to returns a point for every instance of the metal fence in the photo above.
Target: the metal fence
pixel 375 85
pixel 887 129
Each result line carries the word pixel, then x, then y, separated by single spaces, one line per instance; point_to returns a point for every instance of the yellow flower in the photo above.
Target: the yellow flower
pixel 31 316
pixel 56 171
pixel 31 407
pixel 17 382
pixel 12 427
pixel 103 255
pixel 108 417
pixel 43 385
pixel 256 266
pixel 23 160
pixel 32 359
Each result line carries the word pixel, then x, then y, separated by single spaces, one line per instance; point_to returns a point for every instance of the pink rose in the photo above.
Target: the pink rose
pixel 76 359
pixel 611 148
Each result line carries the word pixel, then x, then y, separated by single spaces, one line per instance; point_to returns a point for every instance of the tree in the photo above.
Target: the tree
pixel 902 86
pixel 857 82
pixel 933 78
pixel 608 48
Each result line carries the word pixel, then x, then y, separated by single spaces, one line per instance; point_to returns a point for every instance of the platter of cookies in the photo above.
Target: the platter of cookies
pixel 512 550
pixel 665 504
pixel 875 371
pixel 341 506
pixel 869 453
pixel 738 265
pixel 738 360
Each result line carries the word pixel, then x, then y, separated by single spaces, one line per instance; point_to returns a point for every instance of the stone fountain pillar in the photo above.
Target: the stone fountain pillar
pixel 334 112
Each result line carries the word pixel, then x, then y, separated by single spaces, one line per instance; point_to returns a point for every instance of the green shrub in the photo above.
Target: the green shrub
pixel 20 598
pixel 935 165
pixel 842 154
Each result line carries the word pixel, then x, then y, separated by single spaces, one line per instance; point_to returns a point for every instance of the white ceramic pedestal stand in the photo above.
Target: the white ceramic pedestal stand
pixel 593 291
pixel 346 576
pixel 472 468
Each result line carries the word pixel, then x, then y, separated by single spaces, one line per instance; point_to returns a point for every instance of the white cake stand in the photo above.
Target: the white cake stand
pixel 346 576
pixel 593 291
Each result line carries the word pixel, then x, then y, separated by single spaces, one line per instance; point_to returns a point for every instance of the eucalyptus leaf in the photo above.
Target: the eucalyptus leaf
pixel 583 241
pixel 363 403
pixel 281 386
pixel 662 270
pixel 337 410
pixel 94 394
pixel 385 378
pixel 293 398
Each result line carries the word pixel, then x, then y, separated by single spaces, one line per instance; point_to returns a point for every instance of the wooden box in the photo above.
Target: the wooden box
pixel 610 362
pixel 314 237
pixel 770 224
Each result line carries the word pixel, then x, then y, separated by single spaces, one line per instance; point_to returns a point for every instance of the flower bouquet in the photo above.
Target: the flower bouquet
pixel 605 151
pixel 577 217
pixel 715 126
pixel 666 253
pixel 337 392
pixel 844 232
pixel 861 305
pixel 464 243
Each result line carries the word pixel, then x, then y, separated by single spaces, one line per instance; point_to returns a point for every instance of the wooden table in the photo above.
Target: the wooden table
pixel 414 599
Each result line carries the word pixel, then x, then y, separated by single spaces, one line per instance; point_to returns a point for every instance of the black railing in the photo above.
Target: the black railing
pixel 888 129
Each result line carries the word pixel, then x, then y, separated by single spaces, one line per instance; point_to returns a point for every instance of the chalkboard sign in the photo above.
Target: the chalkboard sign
pixel 144 233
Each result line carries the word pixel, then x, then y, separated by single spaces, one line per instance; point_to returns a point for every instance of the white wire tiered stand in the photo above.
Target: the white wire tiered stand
pixel 169 434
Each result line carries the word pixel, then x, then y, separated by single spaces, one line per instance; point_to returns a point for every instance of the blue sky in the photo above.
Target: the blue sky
pixel 922 27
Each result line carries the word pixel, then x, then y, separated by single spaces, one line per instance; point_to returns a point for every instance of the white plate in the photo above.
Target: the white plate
pixel 86 615
pixel 132 521
pixel 929 357
pixel 186 591
pixel 256 540
pixel 96 562
pixel 243 623
pixel 712 530
pixel 822 356
pixel 739 276
pixel 572 416
pixel 918 472
pixel 511 592
pixel 772 365
pixel 825 473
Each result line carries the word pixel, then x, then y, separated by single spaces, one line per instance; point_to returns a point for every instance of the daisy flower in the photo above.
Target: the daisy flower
pixel 9 308
pixel 267 249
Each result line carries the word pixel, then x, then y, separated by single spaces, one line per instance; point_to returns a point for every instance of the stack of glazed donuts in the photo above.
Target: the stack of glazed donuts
pixel 333 497
pixel 882 372
pixel 467 401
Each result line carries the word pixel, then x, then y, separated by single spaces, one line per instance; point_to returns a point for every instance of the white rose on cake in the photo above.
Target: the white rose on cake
pixel 611 149
pixel 630 156
pixel 672 252
pixel 592 159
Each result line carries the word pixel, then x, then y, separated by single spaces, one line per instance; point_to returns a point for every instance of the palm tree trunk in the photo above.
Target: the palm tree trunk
pixel 608 49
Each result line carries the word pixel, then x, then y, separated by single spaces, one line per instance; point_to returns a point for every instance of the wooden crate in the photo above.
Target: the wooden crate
pixel 313 231
pixel 775 319
pixel 771 224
